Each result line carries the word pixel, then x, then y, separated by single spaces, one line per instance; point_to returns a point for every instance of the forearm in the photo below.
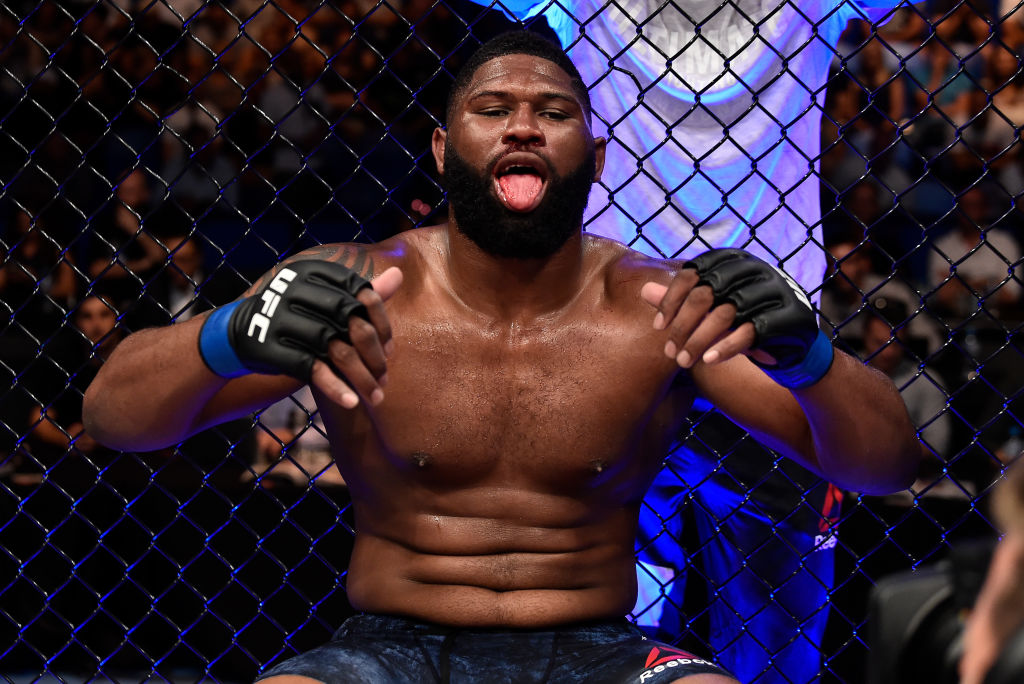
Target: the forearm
pixel 151 391
pixel 156 389
pixel 861 434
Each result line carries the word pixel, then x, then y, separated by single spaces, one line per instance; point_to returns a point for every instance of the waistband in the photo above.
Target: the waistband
pixel 370 623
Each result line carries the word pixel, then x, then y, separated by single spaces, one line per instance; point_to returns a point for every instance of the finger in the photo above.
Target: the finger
pixel 349 363
pixel 686 318
pixel 388 282
pixel 653 292
pixel 365 340
pixel 380 324
pixel 332 387
pixel 677 292
pixel 712 327
pixel 385 285
pixel 737 342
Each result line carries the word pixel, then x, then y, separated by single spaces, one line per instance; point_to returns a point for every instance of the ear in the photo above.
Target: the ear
pixel 600 146
pixel 437 143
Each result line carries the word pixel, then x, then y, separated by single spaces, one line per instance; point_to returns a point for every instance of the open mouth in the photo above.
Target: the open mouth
pixel 520 180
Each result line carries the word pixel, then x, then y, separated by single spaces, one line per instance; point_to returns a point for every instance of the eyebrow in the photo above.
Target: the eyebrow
pixel 550 95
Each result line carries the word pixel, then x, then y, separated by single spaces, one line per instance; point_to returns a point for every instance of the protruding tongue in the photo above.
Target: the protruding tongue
pixel 521 189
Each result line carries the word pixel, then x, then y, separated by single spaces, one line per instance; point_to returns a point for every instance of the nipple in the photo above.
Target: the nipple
pixel 421 459
pixel 598 466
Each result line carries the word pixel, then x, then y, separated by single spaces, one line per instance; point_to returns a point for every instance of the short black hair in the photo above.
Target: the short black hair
pixel 519 42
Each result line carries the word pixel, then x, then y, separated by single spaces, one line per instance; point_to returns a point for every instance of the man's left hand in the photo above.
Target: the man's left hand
pixel 728 302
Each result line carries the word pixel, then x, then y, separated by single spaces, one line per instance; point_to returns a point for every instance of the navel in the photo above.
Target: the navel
pixel 598 465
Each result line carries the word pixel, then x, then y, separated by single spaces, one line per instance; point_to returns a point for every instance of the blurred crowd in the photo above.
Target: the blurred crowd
pixel 157 156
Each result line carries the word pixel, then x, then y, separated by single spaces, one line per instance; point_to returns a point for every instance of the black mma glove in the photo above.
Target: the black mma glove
pixel 285 326
pixel 784 322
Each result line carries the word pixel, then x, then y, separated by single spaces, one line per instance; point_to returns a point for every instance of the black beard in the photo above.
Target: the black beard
pixel 500 232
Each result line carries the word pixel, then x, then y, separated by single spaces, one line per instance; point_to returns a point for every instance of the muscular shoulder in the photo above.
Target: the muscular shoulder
pixel 625 270
pixel 367 259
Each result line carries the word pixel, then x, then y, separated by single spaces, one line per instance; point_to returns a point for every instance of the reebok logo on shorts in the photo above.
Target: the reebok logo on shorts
pixel 661 658
pixel 660 655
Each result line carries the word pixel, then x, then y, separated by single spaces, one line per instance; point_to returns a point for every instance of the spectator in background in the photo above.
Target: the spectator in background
pixel 875 107
pixel 886 347
pixel 291 445
pixel 943 75
pixel 1013 23
pixel 59 446
pixel 999 106
pixel 125 252
pixel 975 264
pixel 184 275
pixel 196 168
pixel 186 284
pixel 173 293
pixel 852 282
pixel 996 620
pixel 37 279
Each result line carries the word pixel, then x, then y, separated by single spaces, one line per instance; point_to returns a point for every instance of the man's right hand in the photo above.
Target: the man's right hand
pixel 315 321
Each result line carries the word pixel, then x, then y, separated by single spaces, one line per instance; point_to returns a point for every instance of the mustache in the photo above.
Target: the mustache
pixel 518 147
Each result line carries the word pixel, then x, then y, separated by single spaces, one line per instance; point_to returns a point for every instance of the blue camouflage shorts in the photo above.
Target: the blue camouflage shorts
pixel 380 649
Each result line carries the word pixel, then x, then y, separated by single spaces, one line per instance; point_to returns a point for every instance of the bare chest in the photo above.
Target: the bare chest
pixel 571 404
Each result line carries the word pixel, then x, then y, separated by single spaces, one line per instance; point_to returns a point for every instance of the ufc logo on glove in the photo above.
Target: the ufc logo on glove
pixel 271 297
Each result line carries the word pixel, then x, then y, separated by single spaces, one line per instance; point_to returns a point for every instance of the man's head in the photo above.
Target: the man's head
pixel 885 333
pixel 973 209
pixel 96 318
pixel 133 190
pixel 518 157
pixel 187 260
pixel 851 263
pixel 518 43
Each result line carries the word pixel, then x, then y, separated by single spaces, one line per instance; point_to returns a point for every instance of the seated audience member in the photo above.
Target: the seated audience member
pixel 124 252
pixel 853 281
pixel 995 622
pixel 975 265
pixel 37 280
pixel 179 290
pixel 291 445
pixel 995 136
pixel 886 330
pixel 60 447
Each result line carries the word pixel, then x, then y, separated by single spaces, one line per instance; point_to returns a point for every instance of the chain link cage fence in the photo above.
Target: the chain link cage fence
pixel 156 156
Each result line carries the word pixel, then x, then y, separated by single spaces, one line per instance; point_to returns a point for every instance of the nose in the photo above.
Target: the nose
pixel 523 127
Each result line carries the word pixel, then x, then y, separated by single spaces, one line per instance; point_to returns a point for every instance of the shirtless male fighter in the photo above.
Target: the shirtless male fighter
pixel 502 396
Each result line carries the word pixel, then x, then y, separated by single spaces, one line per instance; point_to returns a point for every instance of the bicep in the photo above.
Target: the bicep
pixel 755 402
pixel 353 255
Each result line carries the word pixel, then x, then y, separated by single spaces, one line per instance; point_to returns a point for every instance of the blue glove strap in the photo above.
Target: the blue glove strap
pixel 810 370
pixel 215 344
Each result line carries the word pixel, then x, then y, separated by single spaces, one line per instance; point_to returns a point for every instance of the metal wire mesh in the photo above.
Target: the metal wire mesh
pixel 157 156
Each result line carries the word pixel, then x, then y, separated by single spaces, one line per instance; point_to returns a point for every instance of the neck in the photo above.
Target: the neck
pixel 513 289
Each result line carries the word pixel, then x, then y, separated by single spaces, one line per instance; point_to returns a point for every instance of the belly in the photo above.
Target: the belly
pixel 495 571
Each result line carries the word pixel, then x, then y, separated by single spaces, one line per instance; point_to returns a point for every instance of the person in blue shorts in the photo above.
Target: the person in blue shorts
pixel 498 390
